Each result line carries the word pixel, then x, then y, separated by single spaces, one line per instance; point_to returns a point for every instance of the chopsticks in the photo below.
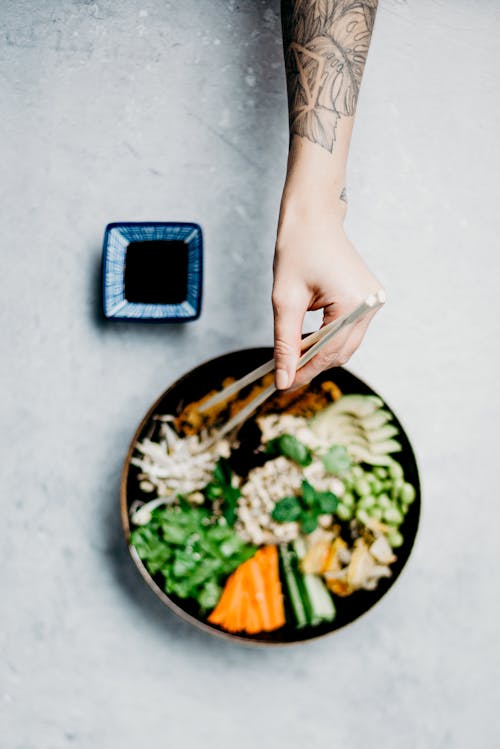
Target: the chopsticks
pixel 310 346
pixel 264 369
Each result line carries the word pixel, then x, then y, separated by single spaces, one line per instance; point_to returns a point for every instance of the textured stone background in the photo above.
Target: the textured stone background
pixel 176 110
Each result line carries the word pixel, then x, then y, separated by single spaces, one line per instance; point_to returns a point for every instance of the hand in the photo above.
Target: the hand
pixel 316 267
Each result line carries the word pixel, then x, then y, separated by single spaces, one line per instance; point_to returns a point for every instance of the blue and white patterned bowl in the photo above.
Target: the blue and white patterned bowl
pixel 117 237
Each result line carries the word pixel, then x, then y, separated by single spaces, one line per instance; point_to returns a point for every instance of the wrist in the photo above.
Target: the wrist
pixel 311 201
pixel 315 182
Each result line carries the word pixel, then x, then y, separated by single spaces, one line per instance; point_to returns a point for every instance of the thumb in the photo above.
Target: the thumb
pixel 289 311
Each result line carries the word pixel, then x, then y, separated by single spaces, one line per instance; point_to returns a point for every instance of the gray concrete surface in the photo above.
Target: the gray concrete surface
pixel 176 110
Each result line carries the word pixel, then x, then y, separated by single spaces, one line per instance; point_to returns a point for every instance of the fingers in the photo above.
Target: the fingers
pixel 335 354
pixel 289 310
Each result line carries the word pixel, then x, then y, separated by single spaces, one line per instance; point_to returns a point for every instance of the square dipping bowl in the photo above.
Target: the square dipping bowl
pixel 152 271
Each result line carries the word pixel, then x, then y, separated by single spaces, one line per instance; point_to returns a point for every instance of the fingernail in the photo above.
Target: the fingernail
pixel 282 379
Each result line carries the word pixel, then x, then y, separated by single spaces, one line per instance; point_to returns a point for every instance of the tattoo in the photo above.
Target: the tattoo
pixel 326 43
pixel 343 195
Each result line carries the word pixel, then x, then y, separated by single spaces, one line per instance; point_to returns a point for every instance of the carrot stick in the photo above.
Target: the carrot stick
pixel 245 608
pixel 226 601
pixel 234 606
pixel 274 598
pixel 268 574
pixel 258 587
pixel 218 614
pixel 253 623
pixel 249 589
pixel 252 599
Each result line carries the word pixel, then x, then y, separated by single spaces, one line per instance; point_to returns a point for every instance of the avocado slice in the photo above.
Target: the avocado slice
pixel 331 430
pixel 364 456
pixel 359 405
pixel 377 419
pixel 385 448
pixel 382 434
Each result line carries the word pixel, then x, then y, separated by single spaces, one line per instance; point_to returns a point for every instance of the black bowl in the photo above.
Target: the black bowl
pixel 193 386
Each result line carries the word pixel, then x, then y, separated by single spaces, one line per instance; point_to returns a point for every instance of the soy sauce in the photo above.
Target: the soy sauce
pixel 156 272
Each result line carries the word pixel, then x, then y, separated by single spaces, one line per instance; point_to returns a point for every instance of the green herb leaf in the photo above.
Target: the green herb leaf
pixel 336 460
pixel 290 447
pixel 209 595
pixel 272 447
pixel 326 502
pixel 295 450
pixel 286 510
pixel 231 496
pixel 222 488
pixel 229 512
pixel 308 494
pixel 193 554
pixel 308 521
pixel 213 491
pixel 222 472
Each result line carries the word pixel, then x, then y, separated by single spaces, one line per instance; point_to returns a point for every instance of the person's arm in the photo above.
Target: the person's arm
pixel 316 267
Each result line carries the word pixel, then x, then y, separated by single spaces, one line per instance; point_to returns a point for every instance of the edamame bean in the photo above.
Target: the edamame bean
pixel 395 539
pixel 396 488
pixel 362 487
pixel 362 516
pixel 357 472
pixel 377 486
pixel 366 502
pixel 375 512
pixel 384 501
pixel 344 512
pixel 407 493
pixel 348 499
pixel 396 471
pixel 380 472
pixel 393 515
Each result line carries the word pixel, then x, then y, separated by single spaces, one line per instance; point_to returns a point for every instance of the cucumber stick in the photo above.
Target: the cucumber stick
pixel 292 584
pixel 318 600
pixel 321 606
pixel 311 602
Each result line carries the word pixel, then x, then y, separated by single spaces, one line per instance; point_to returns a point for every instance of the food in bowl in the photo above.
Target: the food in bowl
pixel 314 519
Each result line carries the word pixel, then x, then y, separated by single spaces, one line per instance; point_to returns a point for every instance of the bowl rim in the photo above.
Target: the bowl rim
pixel 165 598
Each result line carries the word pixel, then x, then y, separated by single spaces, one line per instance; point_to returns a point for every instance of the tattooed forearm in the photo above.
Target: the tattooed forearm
pixel 326 43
